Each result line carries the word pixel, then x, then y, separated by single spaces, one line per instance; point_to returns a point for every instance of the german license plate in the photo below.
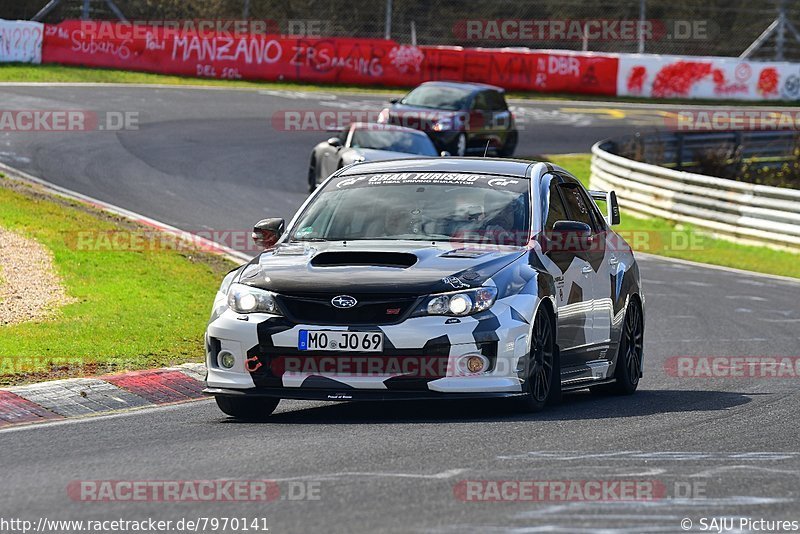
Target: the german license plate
pixel 340 341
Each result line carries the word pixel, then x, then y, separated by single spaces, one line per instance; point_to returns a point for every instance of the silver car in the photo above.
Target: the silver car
pixel 363 141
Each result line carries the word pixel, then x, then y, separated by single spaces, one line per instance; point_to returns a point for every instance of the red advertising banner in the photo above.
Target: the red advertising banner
pixel 322 60
pixel 547 71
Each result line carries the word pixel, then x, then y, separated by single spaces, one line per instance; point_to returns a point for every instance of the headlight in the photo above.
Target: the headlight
pixel 383 116
pixel 442 125
pixel 458 304
pixel 248 299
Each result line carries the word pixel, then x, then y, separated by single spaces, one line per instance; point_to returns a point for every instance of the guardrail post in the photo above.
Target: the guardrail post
pixel 679 152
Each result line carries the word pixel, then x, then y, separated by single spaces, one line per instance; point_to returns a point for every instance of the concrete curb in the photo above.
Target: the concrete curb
pixel 81 397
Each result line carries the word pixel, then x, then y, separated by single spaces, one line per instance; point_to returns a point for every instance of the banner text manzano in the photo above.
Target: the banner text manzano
pixel 324 60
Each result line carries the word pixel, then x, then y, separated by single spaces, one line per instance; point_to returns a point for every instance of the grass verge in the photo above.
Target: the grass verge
pixel 51 73
pixel 20 73
pixel 686 242
pixel 134 309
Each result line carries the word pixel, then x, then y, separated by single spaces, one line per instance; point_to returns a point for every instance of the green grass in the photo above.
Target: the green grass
pixel 133 309
pixel 659 236
pixel 68 74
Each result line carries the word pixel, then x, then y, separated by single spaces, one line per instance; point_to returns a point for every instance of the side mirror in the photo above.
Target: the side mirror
pixel 335 141
pixel 394 100
pixel 568 236
pixel 575 228
pixel 444 153
pixel 266 232
pixel 611 205
pixel 613 209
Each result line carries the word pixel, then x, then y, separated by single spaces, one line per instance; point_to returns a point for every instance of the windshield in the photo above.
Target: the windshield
pixel 420 206
pixel 438 97
pixel 394 140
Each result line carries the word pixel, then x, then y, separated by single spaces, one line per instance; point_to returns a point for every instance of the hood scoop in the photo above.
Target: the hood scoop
pixel 464 253
pixel 398 260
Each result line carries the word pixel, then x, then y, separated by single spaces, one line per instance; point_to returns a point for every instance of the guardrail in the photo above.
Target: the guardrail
pixel 748 213
pixel 684 150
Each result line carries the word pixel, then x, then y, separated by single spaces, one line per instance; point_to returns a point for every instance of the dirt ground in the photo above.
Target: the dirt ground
pixel 30 288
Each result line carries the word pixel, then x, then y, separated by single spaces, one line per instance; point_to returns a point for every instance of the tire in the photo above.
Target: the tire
pixel 507 150
pixel 542 382
pixel 628 369
pixel 248 408
pixel 459 147
pixel 312 174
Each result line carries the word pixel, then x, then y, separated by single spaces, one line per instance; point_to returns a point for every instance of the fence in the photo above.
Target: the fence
pixel 685 151
pixel 734 210
pixel 726 27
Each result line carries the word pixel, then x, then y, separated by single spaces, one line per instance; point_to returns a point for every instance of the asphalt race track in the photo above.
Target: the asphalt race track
pixel 205 159
pixel 722 447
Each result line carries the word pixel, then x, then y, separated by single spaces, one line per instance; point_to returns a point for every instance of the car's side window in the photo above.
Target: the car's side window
pixel 556 210
pixel 496 101
pixel 578 204
pixel 598 219
pixel 480 102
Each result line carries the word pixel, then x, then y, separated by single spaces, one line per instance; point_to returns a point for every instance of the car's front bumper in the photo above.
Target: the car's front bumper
pixel 354 394
pixel 261 342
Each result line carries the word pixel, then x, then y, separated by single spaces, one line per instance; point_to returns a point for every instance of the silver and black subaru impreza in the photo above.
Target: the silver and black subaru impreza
pixel 432 279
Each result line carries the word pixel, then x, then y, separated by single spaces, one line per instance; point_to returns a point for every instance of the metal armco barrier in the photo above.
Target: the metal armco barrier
pixel 744 212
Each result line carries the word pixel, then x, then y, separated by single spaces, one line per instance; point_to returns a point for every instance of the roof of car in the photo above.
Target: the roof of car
pixel 384 126
pixel 466 85
pixel 500 166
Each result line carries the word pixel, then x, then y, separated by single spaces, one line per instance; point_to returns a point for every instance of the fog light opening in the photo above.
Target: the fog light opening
pixel 226 359
pixel 473 364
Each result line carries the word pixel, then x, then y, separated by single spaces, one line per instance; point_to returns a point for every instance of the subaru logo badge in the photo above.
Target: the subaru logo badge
pixel 343 301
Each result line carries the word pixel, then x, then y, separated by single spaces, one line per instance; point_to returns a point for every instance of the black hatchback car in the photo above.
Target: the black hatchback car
pixel 458 117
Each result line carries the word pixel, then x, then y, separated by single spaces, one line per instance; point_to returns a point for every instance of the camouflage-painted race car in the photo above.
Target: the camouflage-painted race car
pixel 427 279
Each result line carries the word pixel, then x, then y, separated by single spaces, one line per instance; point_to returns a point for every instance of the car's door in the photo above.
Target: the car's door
pixel 480 121
pixel 573 280
pixel 606 260
pixel 582 208
pixel 500 118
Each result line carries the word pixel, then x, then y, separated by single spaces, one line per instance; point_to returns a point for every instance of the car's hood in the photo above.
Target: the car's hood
pixel 401 108
pixel 421 118
pixel 358 267
pixel 371 154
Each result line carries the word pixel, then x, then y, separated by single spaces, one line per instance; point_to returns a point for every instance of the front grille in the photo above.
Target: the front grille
pixel 370 310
